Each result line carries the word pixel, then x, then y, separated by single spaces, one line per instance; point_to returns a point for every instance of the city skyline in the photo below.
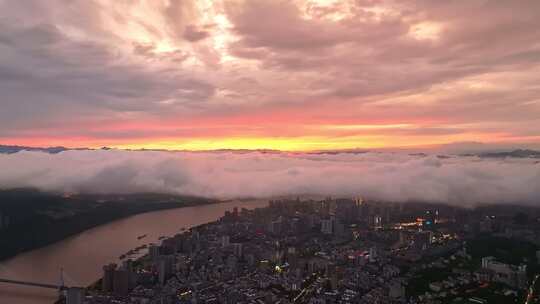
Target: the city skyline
pixel 285 75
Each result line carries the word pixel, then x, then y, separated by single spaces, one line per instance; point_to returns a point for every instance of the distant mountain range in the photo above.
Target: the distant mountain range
pixel 14 149
pixel 518 153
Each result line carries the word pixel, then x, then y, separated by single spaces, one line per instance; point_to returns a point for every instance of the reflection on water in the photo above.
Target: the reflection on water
pixel 83 255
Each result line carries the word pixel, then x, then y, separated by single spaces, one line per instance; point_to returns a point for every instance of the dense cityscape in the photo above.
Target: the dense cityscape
pixel 334 251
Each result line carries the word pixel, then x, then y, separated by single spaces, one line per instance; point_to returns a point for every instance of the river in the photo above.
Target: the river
pixel 82 256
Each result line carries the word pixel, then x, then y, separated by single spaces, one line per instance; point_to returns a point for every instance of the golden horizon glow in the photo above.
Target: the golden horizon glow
pixel 303 143
pixel 300 144
pixel 249 143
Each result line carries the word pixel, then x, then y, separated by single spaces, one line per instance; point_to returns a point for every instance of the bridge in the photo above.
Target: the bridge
pixel 60 287
pixel 34 284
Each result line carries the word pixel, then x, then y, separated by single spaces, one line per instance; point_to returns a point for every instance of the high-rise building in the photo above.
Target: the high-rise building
pixel 377 222
pixel 292 257
pixel 422 239
pixel 153 251
pixel 339 228
pixel 237 249
pixel 128 265
pixel 108 277
pixel 225 241
pixel 396 290
pixel 359 206
pixel 327 226
pixel 373 254
pixel 327 207
pixel 275 226
pixel 75 295
pixel 402 238
pixel 165 268
pixel 346 210
pixel 121 282
pixel 512 275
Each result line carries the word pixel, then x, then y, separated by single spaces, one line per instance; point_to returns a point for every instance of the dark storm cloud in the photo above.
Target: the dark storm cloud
pixel 47 75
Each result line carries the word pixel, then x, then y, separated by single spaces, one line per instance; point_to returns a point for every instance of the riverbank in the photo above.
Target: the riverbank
pixel 82 256
pixel 32 219
pixel 96 285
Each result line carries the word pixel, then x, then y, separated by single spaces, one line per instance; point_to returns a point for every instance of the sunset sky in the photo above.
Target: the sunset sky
pixel 269 74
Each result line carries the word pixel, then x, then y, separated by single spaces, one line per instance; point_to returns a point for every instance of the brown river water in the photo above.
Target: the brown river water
pixel 82 256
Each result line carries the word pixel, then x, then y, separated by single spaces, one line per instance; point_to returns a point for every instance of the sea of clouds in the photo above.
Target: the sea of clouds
pixel 400 177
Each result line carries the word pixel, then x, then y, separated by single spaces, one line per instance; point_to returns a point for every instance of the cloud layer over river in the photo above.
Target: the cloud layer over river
pixel 383 176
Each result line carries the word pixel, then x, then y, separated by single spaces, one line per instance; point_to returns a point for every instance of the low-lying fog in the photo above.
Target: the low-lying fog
pixel 383 176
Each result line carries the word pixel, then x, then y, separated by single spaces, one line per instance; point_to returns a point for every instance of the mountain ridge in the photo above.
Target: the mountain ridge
pixel 513 153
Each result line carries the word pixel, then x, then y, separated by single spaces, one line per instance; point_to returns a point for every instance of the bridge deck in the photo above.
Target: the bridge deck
pixel 42 285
